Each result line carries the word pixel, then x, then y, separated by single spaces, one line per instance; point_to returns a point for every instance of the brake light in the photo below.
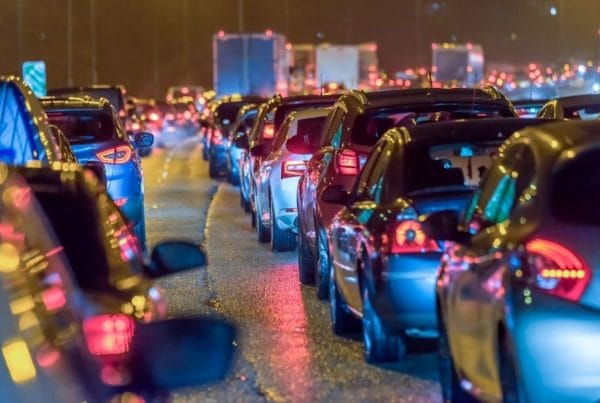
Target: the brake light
pixel 108 334
pixel 408 237
pixel 293 168
pixel 135 126
pixel 153 116
pixel 170 116
pixel 347 162
pixel 268 132
pixel 115 155
pixel 557 270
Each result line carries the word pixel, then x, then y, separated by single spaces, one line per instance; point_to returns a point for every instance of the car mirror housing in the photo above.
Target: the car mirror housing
pixel 444 226
pixel 173 257
pixel 241 140
pixel 336 194
pixel 143 139
pixel 179 353
pixel 258 150
pixel 300 144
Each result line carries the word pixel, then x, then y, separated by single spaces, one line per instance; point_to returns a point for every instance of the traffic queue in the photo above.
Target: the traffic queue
pixel 443 215
pixel 81 316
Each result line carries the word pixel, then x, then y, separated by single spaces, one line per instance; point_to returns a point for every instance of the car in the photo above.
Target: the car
pixel 270 117
pixel 241 127
pixel 95 133
pixel 353 126
pixel 382 266
pixel 278 175
pixel 517 289
pixel 218 141
pixel 529 108
pixel 25 134
pixel 60 345
pixel 191 94
pixel 115 94
pixel 579 107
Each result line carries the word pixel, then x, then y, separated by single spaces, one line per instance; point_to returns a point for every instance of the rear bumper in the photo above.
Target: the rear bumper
pixel 557 347
pixel 127 184
pixel 405 292
pixel 283 193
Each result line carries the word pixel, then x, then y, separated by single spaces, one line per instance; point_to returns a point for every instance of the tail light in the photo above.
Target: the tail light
pixel 107 335
pixel 557 270
pixel 187 115
pixel 170 116
pixel 347 162
pixel 217 137
pixel 135 126
pixel 115 155
pixel 293 168
pixel 154 116
pixel 121 202
pixel 268 132
pixel 408 237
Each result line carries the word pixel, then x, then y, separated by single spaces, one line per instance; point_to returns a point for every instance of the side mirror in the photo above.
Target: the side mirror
pixel 300 144
pixel 98 169
pixel 241 140
pixel 180 353
pixel 444 226
pixel 143 139
pixel 335 194
pixel 258 150
pixel 173 257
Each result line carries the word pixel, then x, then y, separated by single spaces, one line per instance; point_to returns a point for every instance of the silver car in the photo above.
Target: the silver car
pixel 278 176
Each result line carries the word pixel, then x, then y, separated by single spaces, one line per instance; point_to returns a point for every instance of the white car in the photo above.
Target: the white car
pixel 278 176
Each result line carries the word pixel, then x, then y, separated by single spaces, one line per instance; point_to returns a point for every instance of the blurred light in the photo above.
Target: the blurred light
pixel 18 361
pixel 221 34
pixel 553 11
pixel 54 298
pixel 9 258
pixel 596 87
pixel 108 334
pixel 21 305
pixel 269 33
pixel 121 202
pixel 581 69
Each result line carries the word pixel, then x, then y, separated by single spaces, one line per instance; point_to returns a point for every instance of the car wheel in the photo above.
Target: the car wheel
pixel 323 265
pixel 451 389
pixel 306 260
pixel 264 234
pixel 379 345
pixel 508 373
pixel 281 240
pixel 342 321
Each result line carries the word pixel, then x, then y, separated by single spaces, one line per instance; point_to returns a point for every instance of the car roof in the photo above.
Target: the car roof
pixel 464 130
pixel 578 100
pixel 56 103
pixel 561 135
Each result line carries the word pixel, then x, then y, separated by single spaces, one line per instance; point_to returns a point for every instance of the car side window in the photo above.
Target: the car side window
pixel 332 131
pixel 502 188
pixel 370 183
pixel 547 112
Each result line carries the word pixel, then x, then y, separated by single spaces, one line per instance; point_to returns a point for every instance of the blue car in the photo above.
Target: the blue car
pixel 518 289
pixel 96 133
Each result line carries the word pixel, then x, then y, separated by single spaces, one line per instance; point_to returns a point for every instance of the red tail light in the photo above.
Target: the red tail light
pixel 347 162
pixel 108 334
pixel 153 116
pixel 217 137
pixel 170 116
pixel 135 126
pixel 557 270
pixel 293 168
pixel 115 155
pixel 408 237
pixel 268 132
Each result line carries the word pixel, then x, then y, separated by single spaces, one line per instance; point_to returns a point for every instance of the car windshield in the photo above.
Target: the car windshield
pixel 432 168
pixel 575 193
pixel 588 112
pixel 368 128
pixel 83 127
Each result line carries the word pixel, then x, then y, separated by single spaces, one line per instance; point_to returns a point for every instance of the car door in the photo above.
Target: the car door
pixel 478 276
pixel 354 232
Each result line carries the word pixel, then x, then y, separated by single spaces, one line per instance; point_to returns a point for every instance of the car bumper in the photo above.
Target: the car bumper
pixel 557 345
pixel 283 195
pixel 127 190
pixel 405 292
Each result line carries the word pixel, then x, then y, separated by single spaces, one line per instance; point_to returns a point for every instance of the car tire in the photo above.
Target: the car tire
pixel 263 233
pixel 306 260
pixel 342 321
pixel 451 389
pixel 379 346
pixel 322 266
pixel 508 372
pixel 281 240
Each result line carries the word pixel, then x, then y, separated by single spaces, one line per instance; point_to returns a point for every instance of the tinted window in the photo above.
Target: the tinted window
pixel 429 168
pixel 588 112
pixel 576 190
pixel 82 127
pixel 227 113
pixel 369 127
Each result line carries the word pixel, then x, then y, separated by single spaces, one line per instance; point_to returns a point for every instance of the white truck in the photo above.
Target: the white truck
pixel 456 63
pixel 337 64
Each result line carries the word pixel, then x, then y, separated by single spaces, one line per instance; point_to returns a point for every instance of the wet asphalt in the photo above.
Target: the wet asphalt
pixel 286 349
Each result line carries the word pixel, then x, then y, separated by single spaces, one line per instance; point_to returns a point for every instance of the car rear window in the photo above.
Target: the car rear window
pixel 575 195
pixel 586 112
pixel 453 166
pixel 83 127
pixel 369 127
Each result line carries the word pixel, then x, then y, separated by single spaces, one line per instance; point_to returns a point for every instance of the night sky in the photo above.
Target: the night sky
pixel 510 31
